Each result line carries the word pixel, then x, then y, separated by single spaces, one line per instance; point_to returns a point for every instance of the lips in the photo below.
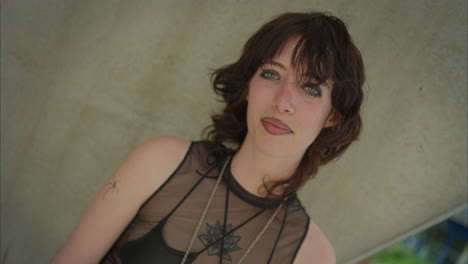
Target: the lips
pixel 275 126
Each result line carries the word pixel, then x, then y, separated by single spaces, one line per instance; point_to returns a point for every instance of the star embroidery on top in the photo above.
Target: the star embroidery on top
pixel 214 232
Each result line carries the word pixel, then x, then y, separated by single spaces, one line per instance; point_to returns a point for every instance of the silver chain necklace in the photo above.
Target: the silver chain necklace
pixel 206 210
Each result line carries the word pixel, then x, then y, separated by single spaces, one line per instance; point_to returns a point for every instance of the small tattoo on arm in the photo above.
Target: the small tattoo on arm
pixel 112 187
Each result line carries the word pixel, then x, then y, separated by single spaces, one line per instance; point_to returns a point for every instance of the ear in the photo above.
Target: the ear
pixel 332 119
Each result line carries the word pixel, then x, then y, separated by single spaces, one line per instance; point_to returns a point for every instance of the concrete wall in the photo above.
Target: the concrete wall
pixel 85 82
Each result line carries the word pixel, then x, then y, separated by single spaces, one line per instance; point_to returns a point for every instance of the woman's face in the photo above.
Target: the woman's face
pixel 274 92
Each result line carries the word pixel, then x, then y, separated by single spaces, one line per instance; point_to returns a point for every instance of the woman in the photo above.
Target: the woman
pixel 292 105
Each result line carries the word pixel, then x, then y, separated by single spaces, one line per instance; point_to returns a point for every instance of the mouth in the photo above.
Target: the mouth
pixel 275 126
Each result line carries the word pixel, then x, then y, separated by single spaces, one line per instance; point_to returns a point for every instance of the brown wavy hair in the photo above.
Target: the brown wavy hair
pixel 325 51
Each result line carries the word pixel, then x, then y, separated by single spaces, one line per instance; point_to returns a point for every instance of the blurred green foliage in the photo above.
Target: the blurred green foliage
pixel 397 254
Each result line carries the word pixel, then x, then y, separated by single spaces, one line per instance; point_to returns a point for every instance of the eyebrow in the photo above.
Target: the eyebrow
pixel 272 62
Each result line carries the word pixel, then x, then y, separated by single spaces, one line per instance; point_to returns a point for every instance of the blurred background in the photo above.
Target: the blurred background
pixel 85 82
pixel 444 243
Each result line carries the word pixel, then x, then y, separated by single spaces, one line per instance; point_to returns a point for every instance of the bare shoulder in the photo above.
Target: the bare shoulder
pixel 172 147
pixel 151 163
pixel 316 248
pixel 168 150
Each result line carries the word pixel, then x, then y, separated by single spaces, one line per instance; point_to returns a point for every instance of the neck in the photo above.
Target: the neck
pixel 251 165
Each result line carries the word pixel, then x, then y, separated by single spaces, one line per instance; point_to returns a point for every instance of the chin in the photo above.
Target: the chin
pixel 275 146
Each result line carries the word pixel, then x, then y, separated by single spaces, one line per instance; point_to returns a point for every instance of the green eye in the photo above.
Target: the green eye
pixel 268 74
pixel 313 90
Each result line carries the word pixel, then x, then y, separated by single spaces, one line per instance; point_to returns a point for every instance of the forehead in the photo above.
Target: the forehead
pixel 284 60
pixel 285 53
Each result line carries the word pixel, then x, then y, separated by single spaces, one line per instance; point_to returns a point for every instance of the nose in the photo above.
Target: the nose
pixel 284 100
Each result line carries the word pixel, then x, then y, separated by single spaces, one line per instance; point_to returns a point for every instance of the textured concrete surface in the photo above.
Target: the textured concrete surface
pixel 85 82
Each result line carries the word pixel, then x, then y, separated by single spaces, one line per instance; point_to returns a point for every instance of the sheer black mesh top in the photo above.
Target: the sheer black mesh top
pixel 165 223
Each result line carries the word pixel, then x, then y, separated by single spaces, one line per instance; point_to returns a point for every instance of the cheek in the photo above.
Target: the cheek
pixel 313 118
pixel 260 95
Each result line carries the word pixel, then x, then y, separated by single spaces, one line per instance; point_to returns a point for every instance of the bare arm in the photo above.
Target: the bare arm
pixel 316 248
pixel 118 201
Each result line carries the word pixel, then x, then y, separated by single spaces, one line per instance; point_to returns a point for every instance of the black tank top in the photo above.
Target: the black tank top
pixel 166 221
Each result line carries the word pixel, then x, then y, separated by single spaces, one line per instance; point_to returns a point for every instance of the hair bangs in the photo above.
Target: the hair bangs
pixel 312 59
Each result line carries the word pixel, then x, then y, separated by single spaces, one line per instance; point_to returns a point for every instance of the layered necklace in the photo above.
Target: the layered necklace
pixel 267 224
